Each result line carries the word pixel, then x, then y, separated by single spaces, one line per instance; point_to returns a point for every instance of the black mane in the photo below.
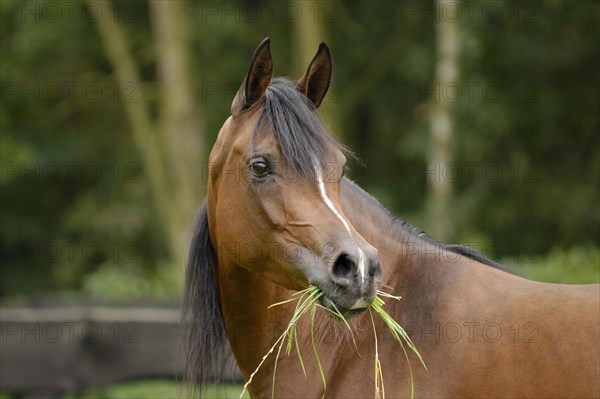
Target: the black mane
pixel 205 347
pixel 299 132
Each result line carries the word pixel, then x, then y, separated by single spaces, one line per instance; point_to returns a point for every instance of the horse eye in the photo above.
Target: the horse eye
pixel 259 169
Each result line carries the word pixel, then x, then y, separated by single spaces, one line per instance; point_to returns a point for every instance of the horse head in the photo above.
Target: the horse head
pixel 273 203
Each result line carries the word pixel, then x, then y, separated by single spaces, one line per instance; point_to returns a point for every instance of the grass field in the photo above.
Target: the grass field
pixel 577 265
pixel 157 389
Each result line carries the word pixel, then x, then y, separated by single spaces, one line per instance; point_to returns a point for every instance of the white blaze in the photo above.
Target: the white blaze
pixel 361 263
pixel 361 254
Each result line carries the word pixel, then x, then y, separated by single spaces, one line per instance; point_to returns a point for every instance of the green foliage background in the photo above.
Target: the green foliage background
pixel 75 210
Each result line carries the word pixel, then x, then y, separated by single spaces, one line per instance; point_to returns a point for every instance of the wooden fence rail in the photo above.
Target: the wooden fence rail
pixel 52 350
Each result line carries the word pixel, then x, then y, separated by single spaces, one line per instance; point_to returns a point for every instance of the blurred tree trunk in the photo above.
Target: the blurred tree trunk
pixel 181 125
pixel 439 194
pixel 309 32
pixel 172 148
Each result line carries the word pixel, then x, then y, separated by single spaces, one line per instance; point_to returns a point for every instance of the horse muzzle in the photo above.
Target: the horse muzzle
pixel 335 311
pixel 352 282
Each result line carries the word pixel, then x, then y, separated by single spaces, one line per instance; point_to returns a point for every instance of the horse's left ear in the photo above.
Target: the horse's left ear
pixel 257 80
pixel 315 82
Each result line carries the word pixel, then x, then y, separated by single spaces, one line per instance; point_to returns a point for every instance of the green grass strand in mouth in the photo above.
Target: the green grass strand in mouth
pixel 399 335
pixel 307 302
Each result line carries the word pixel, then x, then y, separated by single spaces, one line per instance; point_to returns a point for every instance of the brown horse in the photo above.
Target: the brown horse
pixel 280 216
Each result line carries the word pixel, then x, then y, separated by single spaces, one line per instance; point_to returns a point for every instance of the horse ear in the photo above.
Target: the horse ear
pixel 258 78
pixel 315 82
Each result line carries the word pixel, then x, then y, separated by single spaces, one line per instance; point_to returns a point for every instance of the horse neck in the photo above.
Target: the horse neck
pixel 251 327
pixel 411 264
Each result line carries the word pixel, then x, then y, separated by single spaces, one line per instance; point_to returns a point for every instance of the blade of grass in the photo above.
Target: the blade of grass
pixel 397 331
pixel 283 302
pixel 298 312
pixel 275 369
pixel 387 295
pixel 247 384
pixel 341 316
pixel 314 346
pixel 307 300
pixel 399 335
pixel 379 393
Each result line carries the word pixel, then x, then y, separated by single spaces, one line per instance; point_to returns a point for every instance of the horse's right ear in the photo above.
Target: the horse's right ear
pixel 257 80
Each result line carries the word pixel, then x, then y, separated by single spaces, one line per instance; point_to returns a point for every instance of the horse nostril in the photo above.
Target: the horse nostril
pixel 374 268
pixel 343 267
